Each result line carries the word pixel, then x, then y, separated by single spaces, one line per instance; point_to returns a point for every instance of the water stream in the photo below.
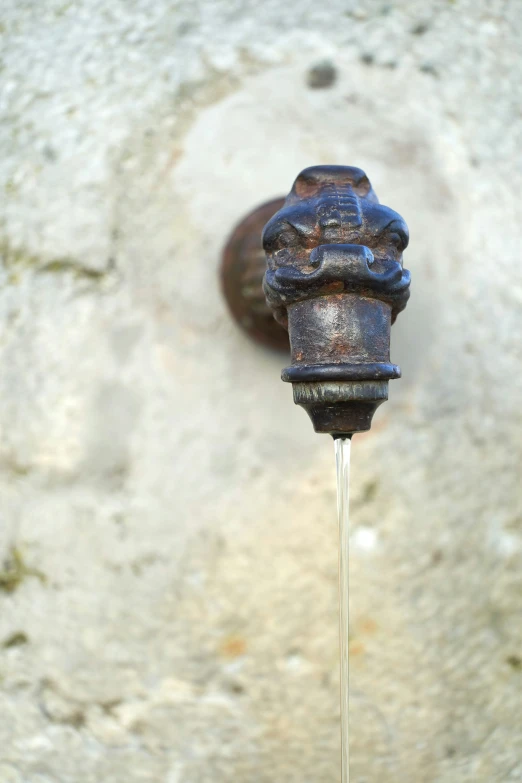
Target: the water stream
pixel 342 460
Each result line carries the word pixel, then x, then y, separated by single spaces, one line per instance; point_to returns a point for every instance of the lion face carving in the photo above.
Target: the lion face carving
pixel 333 235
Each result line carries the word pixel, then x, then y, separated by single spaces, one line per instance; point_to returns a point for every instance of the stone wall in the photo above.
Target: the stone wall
pixel 168 552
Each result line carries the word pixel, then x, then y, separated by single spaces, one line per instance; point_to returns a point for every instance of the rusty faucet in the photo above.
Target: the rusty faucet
pixel 335 280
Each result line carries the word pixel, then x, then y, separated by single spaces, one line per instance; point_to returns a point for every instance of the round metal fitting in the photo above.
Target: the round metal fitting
pixel 242 270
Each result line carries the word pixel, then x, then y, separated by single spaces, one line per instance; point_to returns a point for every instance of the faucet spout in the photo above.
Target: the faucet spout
pixel 335 280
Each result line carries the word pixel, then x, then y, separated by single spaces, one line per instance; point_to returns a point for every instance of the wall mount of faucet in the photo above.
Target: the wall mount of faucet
pixel 242 270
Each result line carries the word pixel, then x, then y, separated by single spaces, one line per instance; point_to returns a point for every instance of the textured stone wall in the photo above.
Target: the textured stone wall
pixel 168 607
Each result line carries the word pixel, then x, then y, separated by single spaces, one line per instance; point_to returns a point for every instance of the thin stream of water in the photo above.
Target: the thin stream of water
pixel 342 461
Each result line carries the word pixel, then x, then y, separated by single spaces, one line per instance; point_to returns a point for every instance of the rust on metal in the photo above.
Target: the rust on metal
pixel 242 270
pixel 335 280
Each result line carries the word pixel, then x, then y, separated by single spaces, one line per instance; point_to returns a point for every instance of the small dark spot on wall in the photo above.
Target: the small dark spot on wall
pixel 450 751
pixel 474 162
pixel 49 153
pixel 429 69
pixel 236 688
pixel 436 557
pixel 184 28
pixel 322 75
pixel 386 9
pixel 370 491
pixel 367 58
pixel 17 639
pixel 144 562
pixel 515 661
pixel 76 720
pixel 420 28
pixel 109 706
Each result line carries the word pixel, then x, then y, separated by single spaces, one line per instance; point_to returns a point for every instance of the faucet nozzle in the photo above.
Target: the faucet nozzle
pixel 335 280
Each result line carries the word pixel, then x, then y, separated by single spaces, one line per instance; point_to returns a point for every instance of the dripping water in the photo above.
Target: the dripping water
pixel 342 460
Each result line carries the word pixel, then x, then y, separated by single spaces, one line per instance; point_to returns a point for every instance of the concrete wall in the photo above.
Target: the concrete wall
pixel 168 606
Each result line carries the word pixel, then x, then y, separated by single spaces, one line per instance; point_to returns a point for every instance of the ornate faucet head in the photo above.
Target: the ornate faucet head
pixel 335 280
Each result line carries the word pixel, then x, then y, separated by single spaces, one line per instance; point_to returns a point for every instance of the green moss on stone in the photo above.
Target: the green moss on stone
pixel 16 260
pixel 15 571
pixel 17 639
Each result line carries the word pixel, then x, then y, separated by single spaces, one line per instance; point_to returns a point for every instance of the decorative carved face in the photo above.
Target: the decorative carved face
pixel 335 280
pixel 333 205
pixel 333 236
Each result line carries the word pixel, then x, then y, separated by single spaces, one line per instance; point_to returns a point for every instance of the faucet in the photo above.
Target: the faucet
pixel 336 282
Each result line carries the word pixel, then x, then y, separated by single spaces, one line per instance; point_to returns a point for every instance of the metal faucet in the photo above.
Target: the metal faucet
pixel 335 280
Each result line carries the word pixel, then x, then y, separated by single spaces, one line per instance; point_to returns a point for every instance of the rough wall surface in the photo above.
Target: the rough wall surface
pixel 167 531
